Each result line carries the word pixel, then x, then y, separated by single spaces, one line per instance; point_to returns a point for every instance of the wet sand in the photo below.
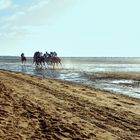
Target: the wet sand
pixel 116 75
pixel 35 108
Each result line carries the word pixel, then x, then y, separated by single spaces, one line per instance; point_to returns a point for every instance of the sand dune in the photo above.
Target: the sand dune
pixel 34 108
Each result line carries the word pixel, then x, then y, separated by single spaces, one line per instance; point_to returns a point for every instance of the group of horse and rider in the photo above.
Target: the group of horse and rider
pixel 39 59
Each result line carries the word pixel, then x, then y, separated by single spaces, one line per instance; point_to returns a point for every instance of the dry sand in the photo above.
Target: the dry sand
pixel 34 108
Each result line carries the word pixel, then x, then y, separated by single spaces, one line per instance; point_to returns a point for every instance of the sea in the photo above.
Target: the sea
pixel 81 69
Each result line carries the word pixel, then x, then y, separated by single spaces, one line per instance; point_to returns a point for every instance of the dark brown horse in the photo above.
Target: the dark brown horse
pixel 38 59
pixel 23 58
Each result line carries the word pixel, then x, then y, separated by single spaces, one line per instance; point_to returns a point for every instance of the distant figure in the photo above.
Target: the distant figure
pixel 23 58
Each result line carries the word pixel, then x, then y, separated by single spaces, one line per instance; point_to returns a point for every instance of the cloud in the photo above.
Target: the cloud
pixel 19 23
pixel 38 5
pixel 7 4
pixel 4 4
pixel 35 14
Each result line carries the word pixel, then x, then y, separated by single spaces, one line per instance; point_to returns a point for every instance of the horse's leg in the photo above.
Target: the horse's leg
pixel 47 64
pixel 24 62
pixel 44 64
pixel 53 66
pixel 40 65
pixel 43 61
pixel 60 63
pixel 37 64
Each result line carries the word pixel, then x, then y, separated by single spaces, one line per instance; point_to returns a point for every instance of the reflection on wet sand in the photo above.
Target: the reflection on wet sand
pixel 47 73
pixel 23 68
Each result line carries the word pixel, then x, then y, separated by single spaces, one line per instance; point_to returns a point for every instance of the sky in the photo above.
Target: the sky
pixel 85 28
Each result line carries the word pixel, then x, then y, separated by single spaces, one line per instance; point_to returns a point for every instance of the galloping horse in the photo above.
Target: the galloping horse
pixel 52 60
pixel 23 58
pixel 38 59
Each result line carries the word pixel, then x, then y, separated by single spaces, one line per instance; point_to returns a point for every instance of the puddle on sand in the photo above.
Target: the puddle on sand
pixel 122 81
pixel 115 87
pixel 129 92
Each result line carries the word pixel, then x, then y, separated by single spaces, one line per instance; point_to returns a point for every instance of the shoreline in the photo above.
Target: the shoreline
pixel 43 108
pixel 126 83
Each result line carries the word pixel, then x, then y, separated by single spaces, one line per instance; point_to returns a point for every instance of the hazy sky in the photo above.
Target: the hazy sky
pixel 70 27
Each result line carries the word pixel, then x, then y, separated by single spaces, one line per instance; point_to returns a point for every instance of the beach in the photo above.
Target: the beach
pixel 37 108
pixel 116 75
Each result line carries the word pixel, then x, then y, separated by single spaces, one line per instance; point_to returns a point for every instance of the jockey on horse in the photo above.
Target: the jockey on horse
pixel 52 59
pixel 38 58
pixel 23 58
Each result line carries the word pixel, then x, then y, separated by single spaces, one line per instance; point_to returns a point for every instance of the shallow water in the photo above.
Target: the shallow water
pixel 74 69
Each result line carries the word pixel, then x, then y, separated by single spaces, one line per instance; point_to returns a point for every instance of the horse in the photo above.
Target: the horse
pixel 23 58
pixel 38 59
pixel 53 61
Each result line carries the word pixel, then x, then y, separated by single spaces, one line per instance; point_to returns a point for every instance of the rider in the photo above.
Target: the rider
pixel 23 58
pixel 22 54
pixel 46 54
pixel 51 54
pixel 54 54
pixel 41 54
pixel 36 55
